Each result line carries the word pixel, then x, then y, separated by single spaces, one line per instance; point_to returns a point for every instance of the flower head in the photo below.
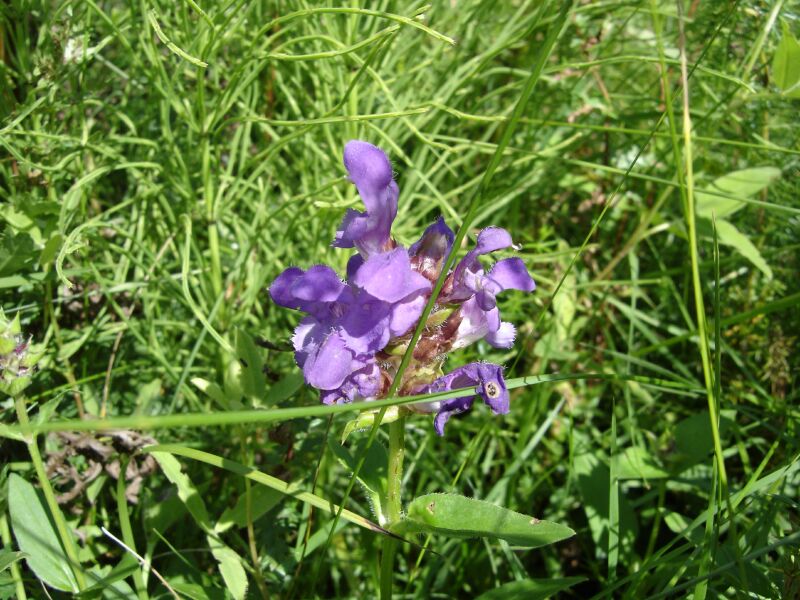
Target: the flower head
pixel 18 357
pixel 349 344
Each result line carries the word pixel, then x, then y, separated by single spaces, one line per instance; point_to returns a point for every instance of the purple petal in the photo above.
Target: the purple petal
pixel 353 228
pixel 406 313
pixel 468 274
pixel 364 325
pixel 371 171
pixel 503 337
pixel 388 276
pixel 308 335
pixel 428 253
pixel 491 387
pixel 362 384
pixel 485 300
pixel 353 265
pixel 280 290
pixel 476 323
pixel 312 291
pixel 319 284
pixel 492 239
pixel 369 168
pixel 454 406
pixel 327 365
pixel 511 274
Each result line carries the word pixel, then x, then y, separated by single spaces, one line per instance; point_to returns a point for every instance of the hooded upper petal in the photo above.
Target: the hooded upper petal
pixel 370 170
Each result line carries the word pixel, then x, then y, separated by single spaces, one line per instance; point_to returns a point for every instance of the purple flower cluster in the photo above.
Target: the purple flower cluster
pixel 350 344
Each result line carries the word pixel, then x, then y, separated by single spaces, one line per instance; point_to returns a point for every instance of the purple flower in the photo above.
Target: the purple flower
pixel 491 387
pixel 354 331
pixel 430 251
pixel 371 171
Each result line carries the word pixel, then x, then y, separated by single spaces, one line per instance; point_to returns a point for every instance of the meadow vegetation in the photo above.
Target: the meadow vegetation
pixel 162 162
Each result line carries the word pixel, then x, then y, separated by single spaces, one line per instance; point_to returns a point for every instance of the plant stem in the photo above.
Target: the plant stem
pixel 393 505
pixel 5 536
pixel 125 525
pixel 58 517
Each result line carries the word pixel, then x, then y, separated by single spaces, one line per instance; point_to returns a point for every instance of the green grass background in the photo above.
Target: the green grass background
pixel 161 162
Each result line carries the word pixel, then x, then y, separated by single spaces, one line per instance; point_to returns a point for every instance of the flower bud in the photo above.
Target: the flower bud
pixel 18 357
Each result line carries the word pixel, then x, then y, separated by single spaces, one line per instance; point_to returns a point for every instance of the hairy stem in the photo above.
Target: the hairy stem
pixel 393 505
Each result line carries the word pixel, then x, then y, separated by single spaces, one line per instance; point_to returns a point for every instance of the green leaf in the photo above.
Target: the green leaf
pixel 530 589
pixel 50 249
pixel 16 253
pixel 284 388
pixel 693 441
pixel 252 373
pixel 288 489
pixel 742 184
pixel 212 390
pixel 786 64
pixel 230 566
pixel 372 474
pixel 229 563
pixel 730 236
pixel 110 579
pixel 262 500
pixel 457 516
pixel 593 478
pixel 36 536
pixel 637 463
pixel 9 557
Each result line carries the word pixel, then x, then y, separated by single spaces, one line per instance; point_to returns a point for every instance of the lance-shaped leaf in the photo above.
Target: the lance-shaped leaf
pixel 457 516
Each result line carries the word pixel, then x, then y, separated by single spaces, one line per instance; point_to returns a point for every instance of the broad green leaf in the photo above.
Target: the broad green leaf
pixel 148 393
pixel 742 184
pixel 457 516
pixel 230 564
pixel 786 64
pixel 36 536
pixel 9 557
pixel 677 523
pixel 730 236
pixel 530 589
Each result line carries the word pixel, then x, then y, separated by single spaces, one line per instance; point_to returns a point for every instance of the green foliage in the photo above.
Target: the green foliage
pixel 36 536
pixel 456 516
pixel 786 64
pixel 162 162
